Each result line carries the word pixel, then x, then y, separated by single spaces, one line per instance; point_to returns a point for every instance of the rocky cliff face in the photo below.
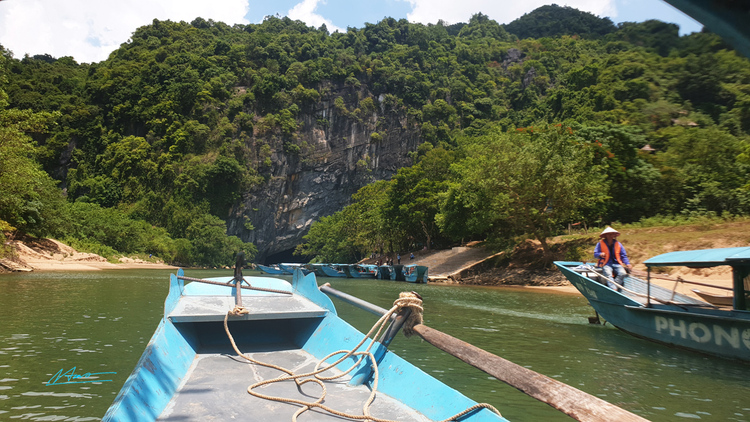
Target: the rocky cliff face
pixel 341 155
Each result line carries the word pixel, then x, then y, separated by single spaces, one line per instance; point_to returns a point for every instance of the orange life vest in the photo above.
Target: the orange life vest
pixel 604 249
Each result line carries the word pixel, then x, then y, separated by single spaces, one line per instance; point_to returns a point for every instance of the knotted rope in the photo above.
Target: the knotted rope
pixel 406 299
pixel 236 311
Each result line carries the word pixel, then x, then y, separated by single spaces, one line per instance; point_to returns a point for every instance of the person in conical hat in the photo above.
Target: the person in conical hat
pixel 613 259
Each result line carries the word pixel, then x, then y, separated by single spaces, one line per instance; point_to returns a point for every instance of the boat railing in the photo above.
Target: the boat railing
pixel 682 280
pixel 573 402
pixel 644 289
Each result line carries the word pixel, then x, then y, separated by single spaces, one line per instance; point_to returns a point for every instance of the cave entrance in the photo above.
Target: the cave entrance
pixel 286 256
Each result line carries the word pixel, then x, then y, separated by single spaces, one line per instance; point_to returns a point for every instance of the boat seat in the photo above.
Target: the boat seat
pixel 265 307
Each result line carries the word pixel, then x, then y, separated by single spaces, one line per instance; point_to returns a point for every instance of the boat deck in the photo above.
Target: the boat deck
pixel 216 390
pixel 267 306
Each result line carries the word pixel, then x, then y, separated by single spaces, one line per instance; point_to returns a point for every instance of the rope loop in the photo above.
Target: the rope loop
pixel 413 301
pixel 410 300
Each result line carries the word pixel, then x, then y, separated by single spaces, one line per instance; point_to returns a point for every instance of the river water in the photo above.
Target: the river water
pixel 100 321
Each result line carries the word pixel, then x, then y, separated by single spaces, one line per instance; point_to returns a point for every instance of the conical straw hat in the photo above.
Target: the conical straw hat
pixel 609 230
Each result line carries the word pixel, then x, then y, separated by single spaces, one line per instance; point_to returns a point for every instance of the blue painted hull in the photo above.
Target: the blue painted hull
pixel 356 271
pixel 183 342
pixel 397 273
pixel 416 275
pixel 330 272
pixel 718 332
pixel 272 270
pixel 289 269
pixel 384 272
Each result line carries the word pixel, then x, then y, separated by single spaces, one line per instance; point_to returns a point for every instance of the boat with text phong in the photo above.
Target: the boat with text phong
pixel 655 313
pixel 266 349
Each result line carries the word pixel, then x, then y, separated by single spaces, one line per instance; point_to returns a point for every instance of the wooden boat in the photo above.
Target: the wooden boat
pixel 290 268
pixel 714 299
pixel 384 272
pixel 317 269
pixel 272 269
pixel 359 271
pixel 661 315
pixel 397 273
pixel 332 271
pixel 189 370
pixel 415 273
pixel 208 348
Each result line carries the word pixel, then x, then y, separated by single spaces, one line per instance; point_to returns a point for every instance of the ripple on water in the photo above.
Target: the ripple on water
pixel 687 415
pixel 53 394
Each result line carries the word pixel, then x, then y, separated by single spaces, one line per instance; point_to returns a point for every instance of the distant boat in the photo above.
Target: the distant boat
pixel 415 273
pixel 317 269
pixel 384 272
pixel 359 271
pixel 397 273
pixel 718 300
pixel 332 271
pixel 189 371
pixel 272 269
pixel 661 315
pixel 289 268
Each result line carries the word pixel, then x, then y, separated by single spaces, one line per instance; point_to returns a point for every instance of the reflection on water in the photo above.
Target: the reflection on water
pixel 100 321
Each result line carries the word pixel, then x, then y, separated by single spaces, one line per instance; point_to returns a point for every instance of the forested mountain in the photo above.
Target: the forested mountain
pixel 191 132
pixel 555 21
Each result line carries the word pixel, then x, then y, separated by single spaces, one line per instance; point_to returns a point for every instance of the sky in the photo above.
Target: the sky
pixel 89 30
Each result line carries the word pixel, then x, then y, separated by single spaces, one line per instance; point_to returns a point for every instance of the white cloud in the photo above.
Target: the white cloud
pixel 502 11
pixel 89 30
pixel 305 12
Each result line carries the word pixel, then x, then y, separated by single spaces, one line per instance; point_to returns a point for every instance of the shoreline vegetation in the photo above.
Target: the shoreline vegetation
pixel 526 267
pixel 192 138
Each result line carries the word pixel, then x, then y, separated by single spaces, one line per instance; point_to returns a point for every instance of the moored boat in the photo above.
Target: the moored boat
pixel 331 270
pixel 359 271
pixel 384 272
pixel 397 273
pixel 415 273
pixel 272 269
pixel 652 312
pixel 290 268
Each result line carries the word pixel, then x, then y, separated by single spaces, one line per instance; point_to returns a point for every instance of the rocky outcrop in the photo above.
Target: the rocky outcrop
pixel 339 155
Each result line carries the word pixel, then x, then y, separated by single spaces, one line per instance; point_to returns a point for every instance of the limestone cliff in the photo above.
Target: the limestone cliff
pixel 339 156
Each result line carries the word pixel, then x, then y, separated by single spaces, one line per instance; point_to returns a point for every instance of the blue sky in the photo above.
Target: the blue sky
pixel 88 30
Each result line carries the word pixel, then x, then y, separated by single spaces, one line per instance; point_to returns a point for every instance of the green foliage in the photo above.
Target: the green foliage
pixel 554 21
pixel 183 119
pixel 526 181
pixel 29 198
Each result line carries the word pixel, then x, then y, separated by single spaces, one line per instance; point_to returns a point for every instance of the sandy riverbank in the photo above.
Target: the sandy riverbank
pixel 51 255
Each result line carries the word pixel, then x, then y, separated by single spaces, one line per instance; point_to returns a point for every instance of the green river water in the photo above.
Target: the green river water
pixel 100 321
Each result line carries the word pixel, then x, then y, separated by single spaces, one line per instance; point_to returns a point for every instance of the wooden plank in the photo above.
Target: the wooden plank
pixel 214 308
pixel 569 400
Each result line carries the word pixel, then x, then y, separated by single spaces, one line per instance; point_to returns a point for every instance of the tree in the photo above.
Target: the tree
pixel 29 198
pixel 413 199
pixel 525 181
